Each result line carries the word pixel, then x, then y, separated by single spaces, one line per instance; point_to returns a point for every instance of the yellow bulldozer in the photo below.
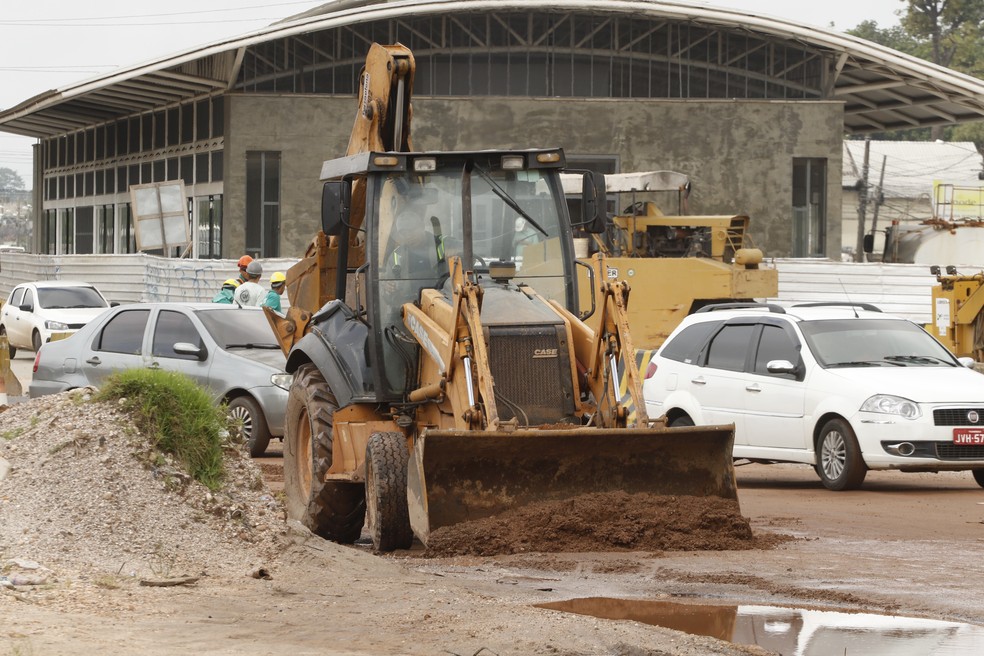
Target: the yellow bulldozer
pixel 958 313
pixel 677 263
pixel 442 370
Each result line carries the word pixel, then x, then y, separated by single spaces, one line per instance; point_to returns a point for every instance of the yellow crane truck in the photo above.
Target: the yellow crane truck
pixel 442 370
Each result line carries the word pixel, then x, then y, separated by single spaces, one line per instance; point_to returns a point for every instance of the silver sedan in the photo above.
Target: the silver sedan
pixel 229 350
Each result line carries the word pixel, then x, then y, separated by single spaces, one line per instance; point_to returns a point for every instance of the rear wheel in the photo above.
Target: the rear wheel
pixel 36 341
pixel 334 510
pixel 839 461
pixel 247 413
pixel 13 351
pixel 387 459
pixel 682 420
pixel 978 476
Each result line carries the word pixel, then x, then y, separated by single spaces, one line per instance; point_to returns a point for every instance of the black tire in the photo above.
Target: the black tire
pixel 334 510
pixel 36 341
pixel 13 351
pixel 839 462
pixel 978 476
pixel 682 420
pixel 387 459
pixel 246 411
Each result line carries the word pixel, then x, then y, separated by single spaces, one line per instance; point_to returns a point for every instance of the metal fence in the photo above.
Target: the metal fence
pixel 902 289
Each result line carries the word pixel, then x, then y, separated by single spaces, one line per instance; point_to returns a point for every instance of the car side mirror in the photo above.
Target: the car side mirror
pixel 780 367
pixel 114 303
pixel 967 362
pixel 184 348
pixel 26 307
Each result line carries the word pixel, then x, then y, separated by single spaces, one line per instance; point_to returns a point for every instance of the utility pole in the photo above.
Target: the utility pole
pixel 862 203
pixel 879 199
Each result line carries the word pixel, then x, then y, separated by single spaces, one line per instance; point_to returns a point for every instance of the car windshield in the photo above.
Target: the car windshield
pixel 52 298
pixel 241 328
pixel 874 343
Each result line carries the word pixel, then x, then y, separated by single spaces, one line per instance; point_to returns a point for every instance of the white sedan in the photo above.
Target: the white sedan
pixel 35 310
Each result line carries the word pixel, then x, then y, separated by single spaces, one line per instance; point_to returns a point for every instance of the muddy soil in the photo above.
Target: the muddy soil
pixel 906 544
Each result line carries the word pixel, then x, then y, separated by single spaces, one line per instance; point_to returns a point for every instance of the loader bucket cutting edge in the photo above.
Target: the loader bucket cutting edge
pixel 458 476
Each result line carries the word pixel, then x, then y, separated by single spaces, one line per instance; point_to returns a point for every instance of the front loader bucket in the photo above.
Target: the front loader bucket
pixel 457 476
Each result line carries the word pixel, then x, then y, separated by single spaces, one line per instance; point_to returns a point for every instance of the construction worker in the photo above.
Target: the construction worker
pixel 278 282
pixel 251 293
pixel 421 252
pixel 243 263
pixel 228 289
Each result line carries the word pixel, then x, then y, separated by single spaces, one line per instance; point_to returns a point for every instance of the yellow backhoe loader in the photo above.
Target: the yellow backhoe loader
pixel 442 371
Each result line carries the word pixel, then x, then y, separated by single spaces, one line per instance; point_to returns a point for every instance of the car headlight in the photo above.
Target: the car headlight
pixel 892 405
pixel 55 325
pixel 282 381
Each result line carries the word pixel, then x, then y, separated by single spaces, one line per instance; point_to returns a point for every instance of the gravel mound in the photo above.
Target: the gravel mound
pixel 83 494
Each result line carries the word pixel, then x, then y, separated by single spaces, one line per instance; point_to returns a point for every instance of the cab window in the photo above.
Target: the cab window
pixel 729 348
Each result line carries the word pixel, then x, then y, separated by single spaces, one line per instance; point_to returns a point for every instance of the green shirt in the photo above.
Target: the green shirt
pixel 272 301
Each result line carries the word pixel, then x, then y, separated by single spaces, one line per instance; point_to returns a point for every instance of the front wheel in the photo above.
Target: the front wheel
pixel 682 420
pixel 245 411
pixel 387 460
pixel 36 341
pixel 839 461
pixel 978 476
pixel 335 510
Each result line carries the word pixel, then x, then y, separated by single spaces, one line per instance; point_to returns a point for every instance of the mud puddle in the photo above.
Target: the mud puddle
pixel 793 631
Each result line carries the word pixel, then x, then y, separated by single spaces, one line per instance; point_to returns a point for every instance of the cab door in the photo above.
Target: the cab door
pixel 719 383
pixel 774 402
pixel 172 327
pixel 117 345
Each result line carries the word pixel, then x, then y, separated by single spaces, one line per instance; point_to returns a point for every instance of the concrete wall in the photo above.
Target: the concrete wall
pixel 739 155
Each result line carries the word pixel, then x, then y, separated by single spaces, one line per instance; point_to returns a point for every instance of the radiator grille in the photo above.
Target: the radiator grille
pixel 957 417
pixel 946 451
pixel 531 369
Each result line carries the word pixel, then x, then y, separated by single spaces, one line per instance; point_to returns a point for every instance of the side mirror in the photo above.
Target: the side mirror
pixel 967 362
pixel 594 201
pixel 26 307
pixel 868 243
pixel 780 367
pixel 335 199
pixel 185 348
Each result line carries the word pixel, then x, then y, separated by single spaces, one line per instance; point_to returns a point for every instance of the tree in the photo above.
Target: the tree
pixel 10 180
pixel 953 30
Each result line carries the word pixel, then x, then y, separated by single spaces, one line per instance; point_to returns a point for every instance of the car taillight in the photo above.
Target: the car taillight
pixel 651 370
pixel 36 358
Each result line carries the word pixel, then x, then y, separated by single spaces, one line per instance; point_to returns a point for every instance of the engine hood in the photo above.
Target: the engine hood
pixel 920 384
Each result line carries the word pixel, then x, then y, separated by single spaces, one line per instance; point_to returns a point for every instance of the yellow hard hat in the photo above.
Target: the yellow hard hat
pixel 277 278
pixel 231 282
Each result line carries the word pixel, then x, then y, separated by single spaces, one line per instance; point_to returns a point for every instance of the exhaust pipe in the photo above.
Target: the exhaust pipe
pixel 901 449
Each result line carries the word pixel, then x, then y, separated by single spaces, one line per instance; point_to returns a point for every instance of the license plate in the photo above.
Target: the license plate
pixel 968 435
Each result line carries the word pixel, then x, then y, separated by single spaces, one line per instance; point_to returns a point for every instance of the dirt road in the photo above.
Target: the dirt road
pixel 908 544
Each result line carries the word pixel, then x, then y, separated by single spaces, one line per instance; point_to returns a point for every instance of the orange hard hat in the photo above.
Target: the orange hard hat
pixel 244 260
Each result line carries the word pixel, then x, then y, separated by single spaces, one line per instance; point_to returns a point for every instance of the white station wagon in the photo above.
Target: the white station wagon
pixel 844 388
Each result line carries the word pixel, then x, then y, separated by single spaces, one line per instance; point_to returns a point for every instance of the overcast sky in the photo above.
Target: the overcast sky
pixel 47 44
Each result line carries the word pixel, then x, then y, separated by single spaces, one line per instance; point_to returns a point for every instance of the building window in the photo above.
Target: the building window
pixel 84 241
pixel 127 241
pixel 809 207
pixel 105 228
pixel 51 232
pixel 263 203
pixel 209 221
pixel 67 241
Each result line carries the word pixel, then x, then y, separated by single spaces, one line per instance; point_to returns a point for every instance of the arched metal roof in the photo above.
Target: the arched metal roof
pixel 882 89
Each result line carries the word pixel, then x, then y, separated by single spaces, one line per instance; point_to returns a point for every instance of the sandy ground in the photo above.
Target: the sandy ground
pixel 906 544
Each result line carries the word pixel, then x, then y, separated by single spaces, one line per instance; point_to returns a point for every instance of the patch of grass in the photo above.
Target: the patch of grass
pixel 177 414
pixel 11 434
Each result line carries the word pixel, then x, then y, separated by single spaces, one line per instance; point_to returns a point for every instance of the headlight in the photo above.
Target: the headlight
pixel 55 325
pixel 892 405
pixel 282 381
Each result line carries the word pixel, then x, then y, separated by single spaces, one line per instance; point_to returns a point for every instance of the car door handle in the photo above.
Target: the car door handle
pixel 154 365
pixel 754 387
pixel 699 380
pixel 94 360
